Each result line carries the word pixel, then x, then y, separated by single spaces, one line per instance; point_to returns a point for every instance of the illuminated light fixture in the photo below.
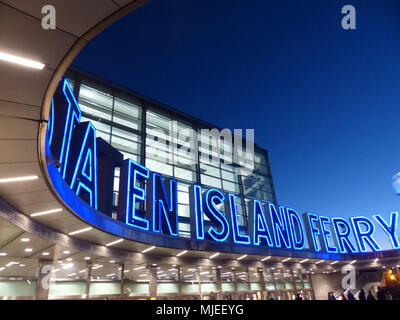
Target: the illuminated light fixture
pixel 72 274
pixel 143 275
pixel 334 262
pixel 43 213
pixel 2 268
pixel 82 271
pixel 97 267
pixel 25 239
pixel 18 179
pixel 112 261
pixel 242 257
pixel 68 266
pixel 28 250
pixel 354 261
pixel 87 258
pixel 214 255
pixel 21 61
pixel 305 260
pixel 22 265
pixel 181 253
pixel 3 254
pixel 126 271
pixel 148 249
pixel 110 275
pixel 287 259
pixel 66 252
pixel 55 270
pixel 69 259
pixel 266 258
pixel 376 260
pixel 45 253
pixel 80 231
pixel 11 263
pixel 114 242
pixel 139 268
pixel 320 261
pixel 204 272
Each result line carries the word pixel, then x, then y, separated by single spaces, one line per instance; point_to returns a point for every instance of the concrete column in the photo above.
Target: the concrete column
pixel 43 281
pixel 260 272
pixel 88 278
pixel 234 281
pixel 178 278
pixel 122 291
pixel 153 282
pixel 199 280
pixel 219 285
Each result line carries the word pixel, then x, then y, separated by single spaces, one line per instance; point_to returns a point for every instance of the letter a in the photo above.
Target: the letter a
pixel 349 20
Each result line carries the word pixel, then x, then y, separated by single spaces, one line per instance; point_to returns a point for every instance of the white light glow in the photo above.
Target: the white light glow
pixel 320 261
pixel 139 268
pixel 334 262
pixel 305 260
pixel 214 255
pixel 114 242
pixel 287 259
pixel 266 258
pixel 21 61
pixel 149 249
pixel 80 231
pixel 18 179
pixel 25 239
pixel 28 250
pixel 43 213
pixel 181 253
pixel 242 257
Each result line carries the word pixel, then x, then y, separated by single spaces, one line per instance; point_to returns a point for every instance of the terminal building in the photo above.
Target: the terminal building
pixel 73 225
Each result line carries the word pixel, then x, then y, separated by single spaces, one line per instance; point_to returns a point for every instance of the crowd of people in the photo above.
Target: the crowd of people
pixel 381 294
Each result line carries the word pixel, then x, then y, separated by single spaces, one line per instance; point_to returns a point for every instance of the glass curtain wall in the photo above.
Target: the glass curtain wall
pixel 172 144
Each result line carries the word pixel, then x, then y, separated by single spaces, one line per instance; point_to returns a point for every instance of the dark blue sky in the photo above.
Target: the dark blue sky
pixel 324 101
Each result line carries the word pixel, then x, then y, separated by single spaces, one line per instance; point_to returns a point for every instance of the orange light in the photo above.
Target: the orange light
pixel 392 277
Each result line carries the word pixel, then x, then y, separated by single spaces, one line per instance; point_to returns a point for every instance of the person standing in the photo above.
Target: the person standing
pixel 350 296
pixel 370 297
pixel 361 295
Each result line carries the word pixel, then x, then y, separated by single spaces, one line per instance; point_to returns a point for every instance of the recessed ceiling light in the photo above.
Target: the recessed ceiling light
pixel 139 268
pixel 69 259
pixel 45 253
pixel 3 254
pixel 242 257
pixel 21 61
pixel 266 258
pixel 112 261
pixel 305 260
pixel 97 267
pixel 320 261
pixel 148 249
pixel 28 250
pixel 214 255
pixel 25 239
pixel 334 262
pixel 80 231
pixel 18 179
pixel 87 258
pixel 287 259
pixel 65 252
pixel 114 242
pixel 181 253
pixel 42 213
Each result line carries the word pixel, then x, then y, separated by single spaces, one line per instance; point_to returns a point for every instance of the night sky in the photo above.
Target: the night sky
pixel 324 101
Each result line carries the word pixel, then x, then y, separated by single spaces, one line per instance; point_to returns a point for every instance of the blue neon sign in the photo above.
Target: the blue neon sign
pixel 149 202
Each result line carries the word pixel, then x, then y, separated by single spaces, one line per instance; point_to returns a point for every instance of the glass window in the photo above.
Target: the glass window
pixel 211 181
